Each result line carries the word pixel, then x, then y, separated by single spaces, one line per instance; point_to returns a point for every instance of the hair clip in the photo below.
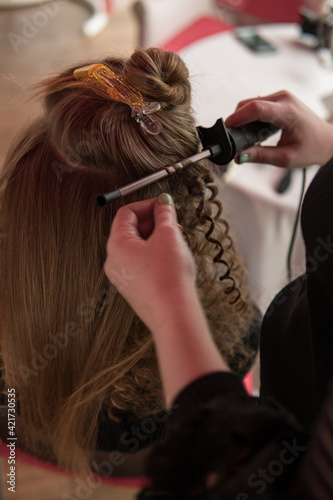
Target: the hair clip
pixel 118 90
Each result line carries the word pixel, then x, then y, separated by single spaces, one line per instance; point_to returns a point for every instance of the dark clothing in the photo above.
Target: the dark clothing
pixel 255 448
pixel 297 331
pixel 131 434
pixel 315 475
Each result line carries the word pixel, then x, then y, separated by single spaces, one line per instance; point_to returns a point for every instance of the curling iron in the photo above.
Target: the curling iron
pixel 220 145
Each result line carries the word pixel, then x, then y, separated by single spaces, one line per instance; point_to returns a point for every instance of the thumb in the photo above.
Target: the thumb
pixel 164 211
pixel 271 155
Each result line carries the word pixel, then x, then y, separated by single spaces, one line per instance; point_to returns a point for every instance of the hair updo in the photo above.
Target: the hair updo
pixel 160 75
pixel 83 110
pixel 51 263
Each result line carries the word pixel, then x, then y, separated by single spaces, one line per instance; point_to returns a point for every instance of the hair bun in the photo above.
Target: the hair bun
pixel 162 76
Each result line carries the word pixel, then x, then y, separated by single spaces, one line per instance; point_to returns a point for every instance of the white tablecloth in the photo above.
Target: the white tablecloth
pixel 223 72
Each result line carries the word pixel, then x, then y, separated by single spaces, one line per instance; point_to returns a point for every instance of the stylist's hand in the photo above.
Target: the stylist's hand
pixel 306 139
pixel 148 259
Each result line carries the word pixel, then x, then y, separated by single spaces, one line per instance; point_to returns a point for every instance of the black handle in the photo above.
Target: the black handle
pixel 234 140
pixel 253 133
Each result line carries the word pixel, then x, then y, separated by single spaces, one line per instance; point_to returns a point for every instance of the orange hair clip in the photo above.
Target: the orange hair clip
pixel 118 90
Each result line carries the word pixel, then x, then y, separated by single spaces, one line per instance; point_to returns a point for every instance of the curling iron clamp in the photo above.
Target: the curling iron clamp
pixel 220 145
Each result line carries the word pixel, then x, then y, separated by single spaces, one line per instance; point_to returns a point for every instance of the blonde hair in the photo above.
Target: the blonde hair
pixel 70 344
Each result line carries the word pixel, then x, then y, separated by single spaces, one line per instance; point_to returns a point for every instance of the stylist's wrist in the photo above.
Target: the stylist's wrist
pixel 158 304
pixel 169 302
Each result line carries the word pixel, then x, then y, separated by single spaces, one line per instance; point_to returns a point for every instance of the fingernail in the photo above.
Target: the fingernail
pixel 165 198
pixel 243 158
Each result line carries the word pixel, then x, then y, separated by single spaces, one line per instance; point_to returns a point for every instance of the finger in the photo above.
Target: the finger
pixel 164 211
pixel 243 103
pixel 146 227
pixel 270 155
pixel 263 111
pixel 261 108
pixel 128 218
pixel 276 97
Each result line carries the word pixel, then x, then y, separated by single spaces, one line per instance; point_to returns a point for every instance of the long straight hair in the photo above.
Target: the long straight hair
pixel 70 344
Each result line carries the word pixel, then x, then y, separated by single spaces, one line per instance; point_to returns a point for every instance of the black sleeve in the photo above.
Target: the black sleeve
pixel 317 228
pixel 315 478
pixel 203 390
pixel 217 429
pixel 251 341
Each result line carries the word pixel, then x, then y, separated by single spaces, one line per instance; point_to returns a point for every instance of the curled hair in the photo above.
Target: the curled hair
pixel 71 345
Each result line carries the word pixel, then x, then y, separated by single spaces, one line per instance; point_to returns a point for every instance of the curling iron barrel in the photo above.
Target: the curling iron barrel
pixel 220 145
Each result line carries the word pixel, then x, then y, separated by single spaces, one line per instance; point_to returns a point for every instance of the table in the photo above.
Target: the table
pixel 223 72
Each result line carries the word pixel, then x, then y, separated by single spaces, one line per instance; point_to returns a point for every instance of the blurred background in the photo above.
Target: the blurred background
pixel 39 37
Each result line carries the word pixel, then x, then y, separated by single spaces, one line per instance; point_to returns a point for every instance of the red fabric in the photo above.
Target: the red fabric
pixel 108 6
pixel 279 11
pixel 248 383
pixel 22 456
pixel 203 27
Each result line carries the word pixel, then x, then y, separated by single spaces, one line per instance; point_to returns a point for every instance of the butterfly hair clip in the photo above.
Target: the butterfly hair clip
pixel 118 90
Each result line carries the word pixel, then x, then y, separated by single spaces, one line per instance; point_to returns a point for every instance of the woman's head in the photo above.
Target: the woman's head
pixel 71 345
